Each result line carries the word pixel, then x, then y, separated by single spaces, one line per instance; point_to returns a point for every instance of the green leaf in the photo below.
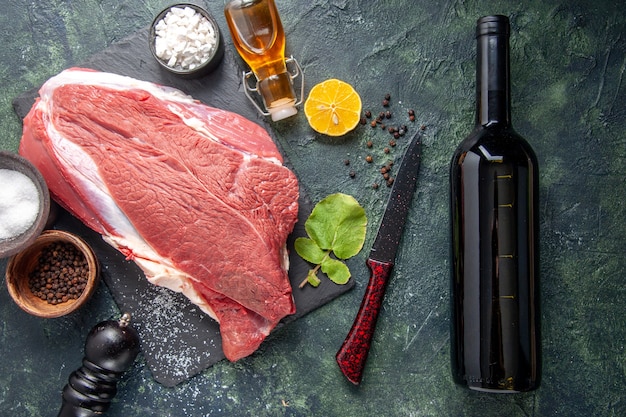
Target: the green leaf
pixel 338 223
pixel 309 251
pixel 313 279
pixel 336 270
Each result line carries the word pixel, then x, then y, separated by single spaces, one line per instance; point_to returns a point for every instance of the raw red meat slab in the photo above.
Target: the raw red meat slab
pixel 209 204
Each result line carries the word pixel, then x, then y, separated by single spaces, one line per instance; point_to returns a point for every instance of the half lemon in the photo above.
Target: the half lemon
pixel 333 107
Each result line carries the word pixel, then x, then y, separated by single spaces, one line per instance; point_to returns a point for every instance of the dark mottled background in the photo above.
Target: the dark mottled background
pixel 568 61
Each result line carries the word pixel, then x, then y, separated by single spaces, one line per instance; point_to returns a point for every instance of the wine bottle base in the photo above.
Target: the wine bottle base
pixel 505 387
pixel 494 390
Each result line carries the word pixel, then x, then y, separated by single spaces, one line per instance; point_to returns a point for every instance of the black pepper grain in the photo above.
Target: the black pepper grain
pixel 352 174
pixel 60 274
pixel 369 144
pixel 368 114
pixel 369 158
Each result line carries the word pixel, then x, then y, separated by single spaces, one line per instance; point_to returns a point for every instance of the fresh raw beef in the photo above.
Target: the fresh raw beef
pixel 197 197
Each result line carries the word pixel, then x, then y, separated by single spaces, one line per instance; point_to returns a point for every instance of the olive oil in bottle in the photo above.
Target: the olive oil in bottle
pixel 259 38
pixel 494 209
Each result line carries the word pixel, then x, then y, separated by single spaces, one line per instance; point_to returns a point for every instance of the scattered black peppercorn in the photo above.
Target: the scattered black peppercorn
pixel 396 132
pixel 346 162
pixel 60 275
pixel 423 127
pixel 352 173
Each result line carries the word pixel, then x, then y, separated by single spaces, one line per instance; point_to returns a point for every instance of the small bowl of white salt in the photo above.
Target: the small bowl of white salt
pixel 24 203
pixel 186 40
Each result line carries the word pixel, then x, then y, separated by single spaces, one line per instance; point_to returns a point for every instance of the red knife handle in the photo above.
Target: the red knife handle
pixel 352 355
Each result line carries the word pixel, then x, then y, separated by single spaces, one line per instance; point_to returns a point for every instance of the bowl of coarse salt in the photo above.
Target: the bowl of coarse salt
pixel 185 40
pixel 24 203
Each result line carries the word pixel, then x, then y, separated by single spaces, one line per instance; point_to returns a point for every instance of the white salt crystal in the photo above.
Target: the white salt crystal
pixel 19 203
pixel 189 12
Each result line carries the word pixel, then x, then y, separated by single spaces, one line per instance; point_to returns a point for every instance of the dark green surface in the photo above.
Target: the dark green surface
pixel 568 62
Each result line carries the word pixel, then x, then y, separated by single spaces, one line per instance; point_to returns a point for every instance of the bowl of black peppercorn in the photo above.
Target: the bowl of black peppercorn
pixel 54 276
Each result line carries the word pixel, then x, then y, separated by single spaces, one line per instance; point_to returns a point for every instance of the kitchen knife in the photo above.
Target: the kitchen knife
pixel 352 355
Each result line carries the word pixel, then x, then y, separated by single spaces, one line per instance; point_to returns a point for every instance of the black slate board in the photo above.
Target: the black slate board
pixel 177 339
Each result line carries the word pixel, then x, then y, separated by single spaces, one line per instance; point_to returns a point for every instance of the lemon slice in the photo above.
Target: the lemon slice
pixel 333 107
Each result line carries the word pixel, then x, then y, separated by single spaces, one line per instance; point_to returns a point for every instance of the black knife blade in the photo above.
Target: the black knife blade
pixel 353 353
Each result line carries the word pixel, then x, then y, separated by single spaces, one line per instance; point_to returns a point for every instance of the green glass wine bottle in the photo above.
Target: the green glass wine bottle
pixel 494 208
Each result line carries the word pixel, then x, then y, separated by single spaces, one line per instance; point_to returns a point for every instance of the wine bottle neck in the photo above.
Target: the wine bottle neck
pixel 493 103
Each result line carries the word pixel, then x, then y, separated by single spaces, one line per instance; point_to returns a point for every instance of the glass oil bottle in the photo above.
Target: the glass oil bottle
pixel 259 38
